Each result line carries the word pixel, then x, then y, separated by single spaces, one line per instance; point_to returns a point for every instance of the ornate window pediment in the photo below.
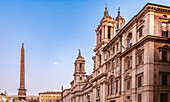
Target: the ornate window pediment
pixel 165 19
pixel 128 75
pixel 129 40
pixel 164 47
pixel 164 53
pixel 139 50
pixel 128 62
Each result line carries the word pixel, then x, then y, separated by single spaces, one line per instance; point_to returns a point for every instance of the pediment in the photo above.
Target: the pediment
pixel 166 47
pixel 128 75
pixel 87 84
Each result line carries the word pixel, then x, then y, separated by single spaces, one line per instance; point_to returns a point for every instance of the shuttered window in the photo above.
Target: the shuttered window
pixel 164 56
pixel 139 97
pixel 139 81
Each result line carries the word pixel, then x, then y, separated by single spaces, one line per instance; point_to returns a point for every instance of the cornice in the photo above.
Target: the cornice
pixel 99 76
pixel 146 39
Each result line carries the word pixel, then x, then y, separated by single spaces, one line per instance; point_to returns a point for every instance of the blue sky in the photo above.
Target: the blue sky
pixel 52 32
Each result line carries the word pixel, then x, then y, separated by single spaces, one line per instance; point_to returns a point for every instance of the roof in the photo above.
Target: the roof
pixel 50 92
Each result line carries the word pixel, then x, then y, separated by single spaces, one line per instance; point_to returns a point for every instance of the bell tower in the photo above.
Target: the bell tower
pixel 79 74
pixel 106 30
pixel 120 21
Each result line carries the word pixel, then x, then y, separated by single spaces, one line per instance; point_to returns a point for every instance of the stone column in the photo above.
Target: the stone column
pixel 103 32
pixel 151 23
pixel 114 31
pixel 148 84
pixel 134 76
pixel 104 92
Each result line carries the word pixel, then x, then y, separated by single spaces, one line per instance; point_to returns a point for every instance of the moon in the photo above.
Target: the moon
pixel 55 63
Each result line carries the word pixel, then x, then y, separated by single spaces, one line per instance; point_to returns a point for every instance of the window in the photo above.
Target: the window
pixel 109 66
pixel 164 80
pixel 164 30
pixel 117 45
pixel 109 32
pixel 100 59
pixel 139 81
pixel 80 66
pixel 53 96
pixel 98 92
pixel 120 25
pixel 57 97
pixel 49 96
pixel 128 84
pixel 108 53
pixel 45 100
pixel 129 40
pixel 113 49
pixel 165 16
pixel 106 56
pixel 113 63
pixel 128 97
pixel 49 100
pixel 108 89
pixel 140 32
pixel 164 56
pixel 163 97
pixel 80 78
pixel 140 58
pixel 53 100
pixel 164 33
pixel 128 63
pixel 100 35
pixel 117 61
pixel 116 86
pixel 139 97
pixel 112 85
pixel 88 96
pixel 108 35
pixel 42 100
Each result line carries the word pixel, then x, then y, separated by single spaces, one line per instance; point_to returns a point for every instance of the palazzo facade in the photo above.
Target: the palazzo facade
pixel 131 62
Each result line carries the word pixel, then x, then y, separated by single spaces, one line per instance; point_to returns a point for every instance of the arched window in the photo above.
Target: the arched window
pixel 112 85
pixel 129 40
pixel 80 66
pixel 100 35
pixel 108 89
pixel 100 59
pixel 165 16
pixel 120 25
pixel 109 32
pixel 108 35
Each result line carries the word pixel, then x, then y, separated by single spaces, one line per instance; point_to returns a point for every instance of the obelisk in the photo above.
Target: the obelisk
pixel 22 90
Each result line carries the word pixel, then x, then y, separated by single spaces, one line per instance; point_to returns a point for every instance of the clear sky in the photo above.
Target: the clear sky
pixel 52 32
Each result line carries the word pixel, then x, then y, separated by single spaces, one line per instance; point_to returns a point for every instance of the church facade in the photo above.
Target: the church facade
pixel 131 62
